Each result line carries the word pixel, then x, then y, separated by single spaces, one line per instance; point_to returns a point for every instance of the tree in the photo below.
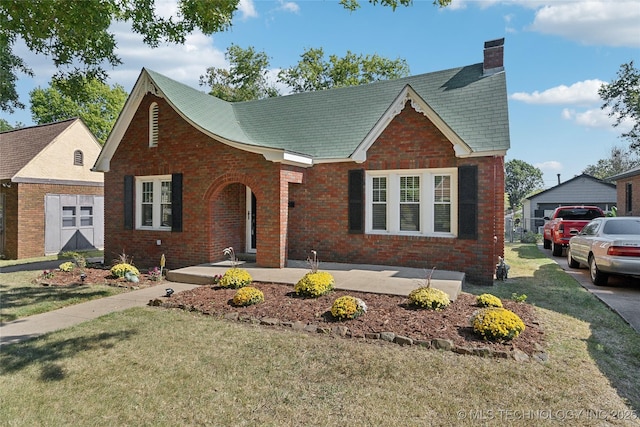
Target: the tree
pixel 393 4
pixel 313 72
pixel 75 34
pixel 620 160
pixel 97 104
pixel 521 179
pixel 5 126
pixel 246 78
pixel 623 97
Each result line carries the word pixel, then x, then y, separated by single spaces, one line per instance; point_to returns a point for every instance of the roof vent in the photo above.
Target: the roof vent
pixel 493 57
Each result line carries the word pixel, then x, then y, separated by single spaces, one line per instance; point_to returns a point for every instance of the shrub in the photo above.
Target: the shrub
pixel 488 300
pixel 313 285
pixel 155 274
pixel 119 270
pixel 235 278
pixel 530 237
pixel 248 295
pixel 428 297
pixel 348 307
pixel 66 266
pixel 78 258
pixel 496 323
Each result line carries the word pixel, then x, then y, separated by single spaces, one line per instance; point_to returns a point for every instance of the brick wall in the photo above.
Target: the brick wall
pixel 25 217
pixel 621 196
pixel 319 219
pixel 214 211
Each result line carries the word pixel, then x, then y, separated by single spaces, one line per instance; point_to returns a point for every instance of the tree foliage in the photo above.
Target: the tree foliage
pixel 313 72
pixel 75 34
pixel 97 104
pixel 521 179
pixel 5 125
pixel 620 160
pixel 393 4
pixel 246 78
pixel 623 97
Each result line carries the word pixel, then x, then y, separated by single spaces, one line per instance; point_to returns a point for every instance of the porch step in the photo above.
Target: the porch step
pixel 246 257
pixel 350 277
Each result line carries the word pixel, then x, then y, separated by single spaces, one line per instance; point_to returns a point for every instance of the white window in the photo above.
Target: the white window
pixel 153 209
pixel 153 125
pixel 412 202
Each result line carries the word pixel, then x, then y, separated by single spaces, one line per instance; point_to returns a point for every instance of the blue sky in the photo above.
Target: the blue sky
pixel 557 54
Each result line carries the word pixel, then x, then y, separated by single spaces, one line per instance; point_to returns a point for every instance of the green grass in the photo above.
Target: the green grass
pixel 20 296
pixel 148 366
pixel 87 254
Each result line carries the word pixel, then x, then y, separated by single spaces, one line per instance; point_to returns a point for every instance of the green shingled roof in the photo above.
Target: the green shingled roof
pixel 331 124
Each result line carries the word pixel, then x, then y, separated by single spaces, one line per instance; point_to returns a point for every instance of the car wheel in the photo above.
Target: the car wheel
pixel 597 277
pixel 546 244
pixel 557 249
pixel 572 262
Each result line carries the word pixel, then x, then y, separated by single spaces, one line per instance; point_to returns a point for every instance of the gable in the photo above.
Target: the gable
pixel 46 153
pixel 583 189
pixel 336 124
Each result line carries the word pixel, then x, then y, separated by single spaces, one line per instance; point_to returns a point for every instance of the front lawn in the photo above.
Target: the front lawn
pixel 152 366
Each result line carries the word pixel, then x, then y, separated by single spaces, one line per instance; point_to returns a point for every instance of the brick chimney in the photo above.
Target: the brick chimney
pixel 493 57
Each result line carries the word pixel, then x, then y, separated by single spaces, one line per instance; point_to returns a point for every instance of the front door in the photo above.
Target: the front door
pixel 251 221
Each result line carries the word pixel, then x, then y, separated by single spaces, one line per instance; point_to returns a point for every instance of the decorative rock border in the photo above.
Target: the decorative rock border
pixel 343 332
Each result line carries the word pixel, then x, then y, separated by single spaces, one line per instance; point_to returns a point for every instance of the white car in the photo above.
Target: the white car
pixel 608 245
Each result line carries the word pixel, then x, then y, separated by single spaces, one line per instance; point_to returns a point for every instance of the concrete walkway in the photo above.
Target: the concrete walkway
pixel 364 278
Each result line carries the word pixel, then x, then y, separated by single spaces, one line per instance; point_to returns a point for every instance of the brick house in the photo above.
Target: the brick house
pixel 628 192
pixel 407 172
pixel 50 199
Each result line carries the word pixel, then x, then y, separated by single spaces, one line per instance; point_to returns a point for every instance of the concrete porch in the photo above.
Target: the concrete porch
pixel 380 279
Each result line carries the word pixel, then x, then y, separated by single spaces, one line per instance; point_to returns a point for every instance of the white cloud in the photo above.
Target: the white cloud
pixel 592 22
pixel 596 118
pixel 289 6
pixel 580 93
pixel 247 9
pixel 550 166
pixel 185 63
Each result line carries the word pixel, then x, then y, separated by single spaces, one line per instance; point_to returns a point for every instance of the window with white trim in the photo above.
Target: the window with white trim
pixel 153 207
pixel 153 125
pixel 412 202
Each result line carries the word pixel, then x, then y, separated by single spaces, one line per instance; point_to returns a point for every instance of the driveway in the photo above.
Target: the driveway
pixel 622 294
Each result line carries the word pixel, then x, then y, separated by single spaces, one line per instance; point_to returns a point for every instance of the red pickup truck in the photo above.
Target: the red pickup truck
pixel 566 222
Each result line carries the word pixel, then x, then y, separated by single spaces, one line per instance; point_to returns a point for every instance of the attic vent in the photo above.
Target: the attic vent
pixel 153 125
pixel 78 158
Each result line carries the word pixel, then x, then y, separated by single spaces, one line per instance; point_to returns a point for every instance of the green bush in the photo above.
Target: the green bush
pixel 496 323
pixel 119 270
pixel 348 307
pixel 235 278
pixel 66 266
pixel 248 295
pixel 430 298
pixel 530 237
pixel 313 285
pixel 488 300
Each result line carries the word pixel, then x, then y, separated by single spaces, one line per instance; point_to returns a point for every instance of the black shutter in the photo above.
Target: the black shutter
pixel 176 202
pixel 356 201
pixel 468 202
pixel 128 202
